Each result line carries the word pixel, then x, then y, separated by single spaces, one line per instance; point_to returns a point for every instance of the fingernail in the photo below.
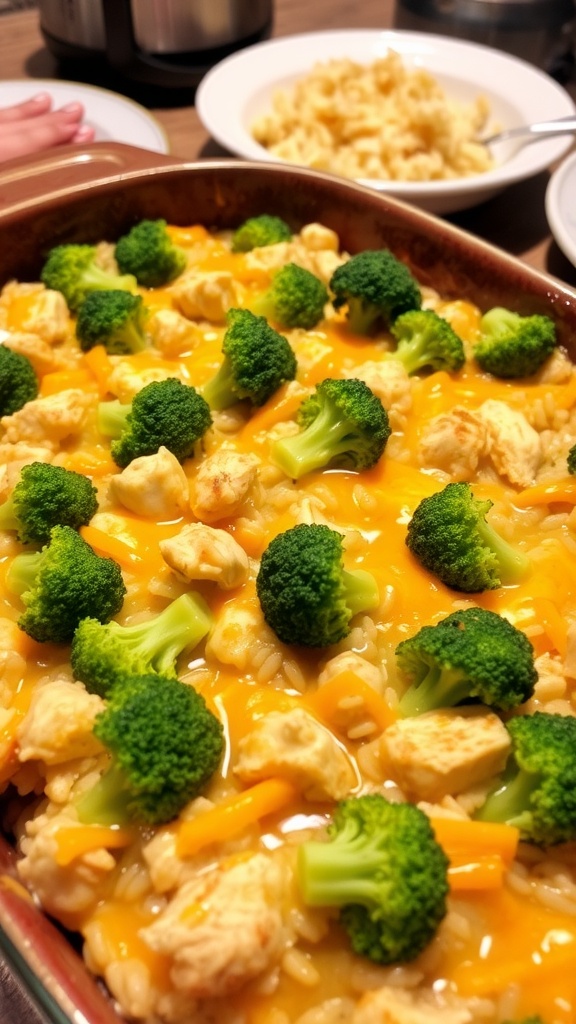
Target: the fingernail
pixel 84 134
pixel 72 108
pixel 40 97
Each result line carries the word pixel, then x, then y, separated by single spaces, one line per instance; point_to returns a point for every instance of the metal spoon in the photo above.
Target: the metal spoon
pixel 532 132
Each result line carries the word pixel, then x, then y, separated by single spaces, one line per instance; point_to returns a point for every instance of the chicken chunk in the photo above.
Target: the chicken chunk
pixel 387 1005
pixel 223 929
pixel 172 333
pixel 206 295
pixel 237 635
pixel 317 238
pixel 201 552
pixel 154 486
pixel 47 421
pixel 293 745
pixel 222 484
pixel 125 382
pixel 48 316
pixel 350 661
pixel 315 249
pixel 514 447
pixel 445 752
pixel 62 890
pixel 58 725
pixel 454 442
pixel 43 357
pixel 390 382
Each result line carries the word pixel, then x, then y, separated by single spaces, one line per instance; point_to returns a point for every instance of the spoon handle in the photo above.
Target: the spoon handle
pixel 558 126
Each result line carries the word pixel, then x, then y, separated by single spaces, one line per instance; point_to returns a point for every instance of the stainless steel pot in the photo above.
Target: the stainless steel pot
pixel 165 42
pixel 540 31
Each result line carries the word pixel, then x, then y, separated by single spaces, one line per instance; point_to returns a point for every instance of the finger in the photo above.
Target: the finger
pixel 33 107
pixel 25 137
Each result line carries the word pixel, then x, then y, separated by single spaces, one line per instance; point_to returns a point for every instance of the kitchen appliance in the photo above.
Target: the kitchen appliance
pixel 540 31
pixel 161 42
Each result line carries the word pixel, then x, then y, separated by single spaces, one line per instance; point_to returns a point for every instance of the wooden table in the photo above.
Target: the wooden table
pixel 515 221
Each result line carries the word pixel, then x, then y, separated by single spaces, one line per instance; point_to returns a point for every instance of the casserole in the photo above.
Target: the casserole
pixel 222 195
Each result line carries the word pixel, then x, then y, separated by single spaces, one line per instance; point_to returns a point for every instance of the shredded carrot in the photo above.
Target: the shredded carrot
pixel 114 548
pixel 61 380
pixel 100 365
pixel 562 491
pixel 483 872
pixel 462 838
pixel 330 699
pixel 72 843
pixel 233 815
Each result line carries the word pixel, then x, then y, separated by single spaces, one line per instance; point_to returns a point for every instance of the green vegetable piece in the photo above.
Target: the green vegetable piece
pixel 306 595
pixel 74 271
pixel 473 654
pixel 47 496
pixel 426 341
pixel 511 345
pixel 114 319
pixel 376 287
pixel 451 538
pixel 62 584
pixel 344 424
pixel 296 298
pixel 385 870
pixel 18 381
pixel 258 231
pixel 149 253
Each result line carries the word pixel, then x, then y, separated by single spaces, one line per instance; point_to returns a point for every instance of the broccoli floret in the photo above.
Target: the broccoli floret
pixel 511 345
pixel 258 231
pixel 74 271
pixel 47 496
pixel 296 298
pixel 18 381
pixel 148 252
pixel 471 654
pixel 114 319
pixel 376 287
pixel 165 745
pixel 343 423
pixel 306 594
pixel 537 792
pixel 62 584
pixel 384 868
pixel 104 653
pixel 164 413
pixel 426 340
pixel 450 536
pixel 257 360
pixel 571 460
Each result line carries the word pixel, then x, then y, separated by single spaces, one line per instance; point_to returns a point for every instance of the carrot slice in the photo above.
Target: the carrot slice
pixel 105 544
pixel 330 699
pixel 72 843
pixel 461 838
pixel 233 815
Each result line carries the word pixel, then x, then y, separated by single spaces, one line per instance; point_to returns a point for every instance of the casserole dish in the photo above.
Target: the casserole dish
pixel 99 195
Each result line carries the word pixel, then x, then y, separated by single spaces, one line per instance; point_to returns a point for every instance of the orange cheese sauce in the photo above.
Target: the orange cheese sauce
pixel 512 940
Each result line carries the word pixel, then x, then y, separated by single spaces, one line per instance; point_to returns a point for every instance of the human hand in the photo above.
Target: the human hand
pixel 32 126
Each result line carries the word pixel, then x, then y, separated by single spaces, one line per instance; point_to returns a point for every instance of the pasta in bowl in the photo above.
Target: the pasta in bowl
pixel 312 732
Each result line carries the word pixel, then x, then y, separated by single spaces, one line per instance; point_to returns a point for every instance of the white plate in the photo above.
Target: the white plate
pixel 561 207
pixel 113 117
pixel 240 88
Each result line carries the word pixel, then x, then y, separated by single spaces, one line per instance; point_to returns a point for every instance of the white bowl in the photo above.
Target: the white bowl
pixel 240 88
pixel 561 207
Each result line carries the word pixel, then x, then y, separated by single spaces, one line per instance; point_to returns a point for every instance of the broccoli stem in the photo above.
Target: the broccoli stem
pixel 362 315
pixel 413 354
pixel 107 802
pixel 341 872
pixel 315 446
pixel 219 392
pixel 513 564
pixel 8 518
pixel 361 591
pixel 181 625
pixel 438 689
pixel 112 417
pixel 21 574
pixel 510 802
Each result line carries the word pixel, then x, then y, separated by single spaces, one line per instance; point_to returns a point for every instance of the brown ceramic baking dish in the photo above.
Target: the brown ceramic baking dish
pixel 97 193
